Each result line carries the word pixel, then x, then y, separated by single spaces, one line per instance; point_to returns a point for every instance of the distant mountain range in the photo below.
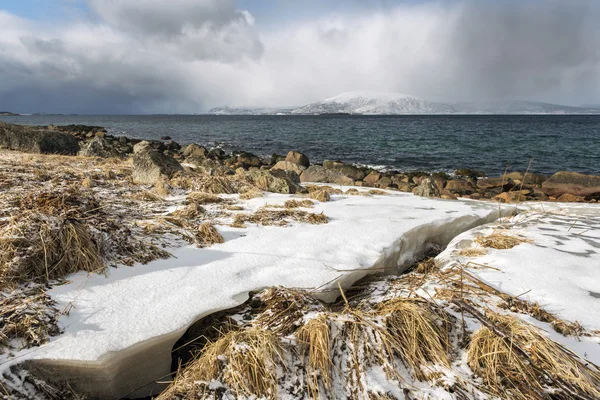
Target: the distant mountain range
pixel 7 114
pixel 381 103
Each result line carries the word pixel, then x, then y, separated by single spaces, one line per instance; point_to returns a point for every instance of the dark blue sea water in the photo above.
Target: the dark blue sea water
pixel 432 143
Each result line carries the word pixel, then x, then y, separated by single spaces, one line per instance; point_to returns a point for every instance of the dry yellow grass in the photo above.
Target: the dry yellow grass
pixel 201 198
pixel 298 203
pixel 504 373
pixel 244 360
pixel 147 196
pixel 268 217
pixel 314 337
pixel 215 185
pixel 208 235
pixel 419 337
pixel 191 211
pixel 252 194
pixel 162 188
pixel 500 241
pixel 471 252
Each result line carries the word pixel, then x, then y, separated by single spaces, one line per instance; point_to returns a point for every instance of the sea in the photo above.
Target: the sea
pixel 489 143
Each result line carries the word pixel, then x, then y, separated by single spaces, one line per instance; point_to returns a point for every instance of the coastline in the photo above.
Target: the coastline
pixel 147 187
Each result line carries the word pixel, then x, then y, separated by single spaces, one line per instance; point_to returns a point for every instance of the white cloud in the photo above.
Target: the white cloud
pixel 157 56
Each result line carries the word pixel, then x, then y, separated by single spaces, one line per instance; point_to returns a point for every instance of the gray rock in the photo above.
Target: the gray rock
pixel 316 173
pixel 149 166
pixel 298 158
pixel 572 183
pixel 144 145
pixel 99 147
pixel 288 166
pixel 194 150
pixel 350 171
pixel 427 188
pixel 277 181
pixel 32 139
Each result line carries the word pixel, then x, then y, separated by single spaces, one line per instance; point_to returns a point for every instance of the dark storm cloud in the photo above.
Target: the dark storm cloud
pixel 190 55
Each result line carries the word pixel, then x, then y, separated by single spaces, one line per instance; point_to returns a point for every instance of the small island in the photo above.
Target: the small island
pixel 8 114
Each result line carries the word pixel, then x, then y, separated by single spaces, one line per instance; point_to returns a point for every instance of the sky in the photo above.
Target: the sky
pixel 187 56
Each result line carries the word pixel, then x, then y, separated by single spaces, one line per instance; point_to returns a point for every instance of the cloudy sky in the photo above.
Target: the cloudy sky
pixel 186 56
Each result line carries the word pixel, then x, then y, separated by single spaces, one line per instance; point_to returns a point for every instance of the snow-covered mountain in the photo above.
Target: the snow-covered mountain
pixel 363 102
pixel 519 107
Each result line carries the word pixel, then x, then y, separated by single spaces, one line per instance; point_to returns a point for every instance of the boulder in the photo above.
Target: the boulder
pixel 288 166
pixel 458 186
pixel 277 182
pixel 347 170
pixel 404 187
pixel 166 138
pixel 172 146
pixel 384 183
pixel 573 183
pixel 469 173
pixel 569 198
pixel 99 147
pixel 372 178
pixel 503 197
pixel 247 160
pixel 298 158
pixel 317 173
pixel 527 179
pixel 427 188
pixel 144 145
pixel 32 139
pixel 194 150
pixel 492 183
pixel 150 166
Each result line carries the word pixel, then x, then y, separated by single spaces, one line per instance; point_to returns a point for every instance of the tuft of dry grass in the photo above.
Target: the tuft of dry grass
pixel 471 252
pixel 320 195
pixel 244 360
pixel 549 356
pixel 500 241
pixel 162 188
pixel 267 217
pixel 377 192
pixel 298 203
pixel 207 235
pixel 252 194
pixel 51 249
pixel 87 182
pixel 27 317
pixel 426 266
pixel 419 338
pixel 148 196
pixel 505 373
pixel 201 198
pixel 314 337
pixel 215 185
pixel 191 211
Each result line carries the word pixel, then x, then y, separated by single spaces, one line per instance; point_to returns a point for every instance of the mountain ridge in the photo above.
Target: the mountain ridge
pixel 391 103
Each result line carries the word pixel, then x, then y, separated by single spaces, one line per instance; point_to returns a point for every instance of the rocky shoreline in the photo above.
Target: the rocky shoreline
pixel 167 157
pixel 79 206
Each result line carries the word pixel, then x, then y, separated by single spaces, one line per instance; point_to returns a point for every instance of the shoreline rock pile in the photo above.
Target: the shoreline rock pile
pixel 284 174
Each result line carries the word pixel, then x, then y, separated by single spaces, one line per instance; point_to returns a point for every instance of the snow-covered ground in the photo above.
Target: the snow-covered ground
pixel 558 268
pixel 121 327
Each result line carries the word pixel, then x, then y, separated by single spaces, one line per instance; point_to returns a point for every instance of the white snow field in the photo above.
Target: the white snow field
pixel 559 268
pixel 121 327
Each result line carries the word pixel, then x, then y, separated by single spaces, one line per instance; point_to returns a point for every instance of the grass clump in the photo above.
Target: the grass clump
pixel 215 185
pixel 418 337
pixel 148 196
pixel 500 241
pixel 41 248
pixel 244 360
pixel 191 211
pixel 252 194
pixel 298 203
pixel 268 217
pixel 207 235
pixel 315 338
pixel 27 317
pixel 201 198
pixel 471 252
